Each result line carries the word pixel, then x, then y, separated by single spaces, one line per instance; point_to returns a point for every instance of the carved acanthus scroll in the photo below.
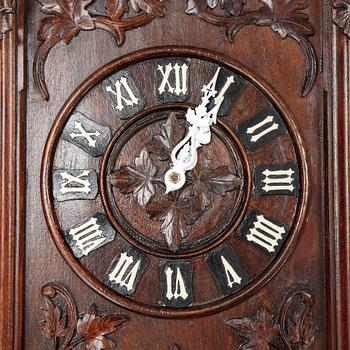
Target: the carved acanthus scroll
pixel 293 329
pixel 284 17
pixel 67 330
pixel 67 18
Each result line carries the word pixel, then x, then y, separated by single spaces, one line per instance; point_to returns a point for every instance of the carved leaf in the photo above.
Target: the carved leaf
pixel 301 330
pixel 233 7
pixel 342 18
pixel 138 180
pixel 286 16
pixel 170 134
pixel 54 324
pixel 117 8
pixel 206 181
pixel 259 332
pixel 177 215
pixel 67 19
pixel 94 328
pixel 152 7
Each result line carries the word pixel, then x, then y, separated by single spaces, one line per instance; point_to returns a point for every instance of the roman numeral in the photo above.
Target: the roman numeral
pixel 90 235
pixel 86 134
pixel 120 89
pixel 179 288
pixel 125 97
pixel 261 128
pixel 177 284
pixel 227 270
pixel 263 232
pixel 180 78
pixel 79 131
pixel 75 184
pixel 231 275
pixel 230 80
pixel 277 179
pixel 126 271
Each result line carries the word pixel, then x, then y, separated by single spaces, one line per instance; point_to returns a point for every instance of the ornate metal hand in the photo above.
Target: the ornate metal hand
pixel 184 155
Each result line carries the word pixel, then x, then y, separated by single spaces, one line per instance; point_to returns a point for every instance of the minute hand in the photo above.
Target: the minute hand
pixel 184 155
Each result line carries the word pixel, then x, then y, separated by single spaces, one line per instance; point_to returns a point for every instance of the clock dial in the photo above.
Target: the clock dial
pixel 194 250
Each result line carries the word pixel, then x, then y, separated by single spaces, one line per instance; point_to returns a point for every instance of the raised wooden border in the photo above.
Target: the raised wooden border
pixel 336 82
pixel 12 180
pixel 336 68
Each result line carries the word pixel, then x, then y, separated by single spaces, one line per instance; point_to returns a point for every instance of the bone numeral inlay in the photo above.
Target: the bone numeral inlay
pixel 90 235
pixel 126 271
pixel 262 128
pixel 264 232
pixel 277 179
pixel 177 284
pixel 227 270
pixel 229 86
pixel 71 184
pixel 121 90
pixel 172 81
pixel 86 134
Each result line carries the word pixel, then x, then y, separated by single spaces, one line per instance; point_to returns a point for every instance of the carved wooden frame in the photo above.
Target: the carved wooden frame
pixel 336 68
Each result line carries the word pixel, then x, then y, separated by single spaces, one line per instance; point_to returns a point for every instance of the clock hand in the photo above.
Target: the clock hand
pixel 184 155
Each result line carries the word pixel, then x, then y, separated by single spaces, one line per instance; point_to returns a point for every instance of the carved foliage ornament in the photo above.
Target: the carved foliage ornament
pixel 66 18
pixel 5 10
pixel 178 210
pixel 294 328
pixel 67 330
pixel 342 15
pixel 285 17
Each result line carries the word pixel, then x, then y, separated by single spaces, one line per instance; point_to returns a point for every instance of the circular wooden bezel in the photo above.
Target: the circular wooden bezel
pixel 48 201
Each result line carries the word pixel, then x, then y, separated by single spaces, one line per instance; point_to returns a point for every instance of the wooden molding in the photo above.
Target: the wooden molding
pixel 337 174
pixel 12 196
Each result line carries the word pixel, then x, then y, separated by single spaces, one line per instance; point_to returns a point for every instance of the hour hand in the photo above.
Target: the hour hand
pixel 184 155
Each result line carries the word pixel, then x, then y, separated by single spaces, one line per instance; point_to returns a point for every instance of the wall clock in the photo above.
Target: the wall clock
pixel 182 183
pixel 174 175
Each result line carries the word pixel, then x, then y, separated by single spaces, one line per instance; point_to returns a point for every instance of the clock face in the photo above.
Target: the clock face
pixel 206 245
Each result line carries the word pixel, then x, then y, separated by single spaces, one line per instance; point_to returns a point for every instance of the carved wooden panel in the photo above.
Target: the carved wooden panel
pixel 174 175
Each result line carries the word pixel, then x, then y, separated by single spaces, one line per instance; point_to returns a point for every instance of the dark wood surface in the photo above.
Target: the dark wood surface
pixel 314 275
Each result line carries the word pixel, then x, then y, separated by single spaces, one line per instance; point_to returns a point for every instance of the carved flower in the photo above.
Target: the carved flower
pixel 178 212
pixel 259 331
pixel 342 18
pixel 137 180
pixel 94 328
pixel 66 20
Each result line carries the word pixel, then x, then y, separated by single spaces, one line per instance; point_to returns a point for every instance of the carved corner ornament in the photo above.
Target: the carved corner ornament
pixel 293 329
pixel 67 18
pixel 67 330
pixel 5 10
pixel 287 18
pixel 342 15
